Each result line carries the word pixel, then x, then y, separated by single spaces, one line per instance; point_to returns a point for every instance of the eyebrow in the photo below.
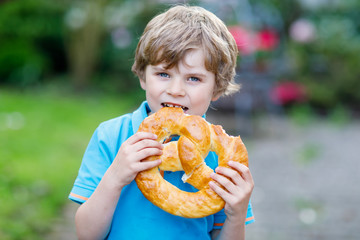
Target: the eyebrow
pixel 197 74
pixel 158 68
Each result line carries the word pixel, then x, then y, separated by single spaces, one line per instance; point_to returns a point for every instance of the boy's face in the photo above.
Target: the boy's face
pixel 187 85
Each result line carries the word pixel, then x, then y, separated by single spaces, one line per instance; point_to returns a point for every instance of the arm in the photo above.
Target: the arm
pixel 93 218
pixel 236 193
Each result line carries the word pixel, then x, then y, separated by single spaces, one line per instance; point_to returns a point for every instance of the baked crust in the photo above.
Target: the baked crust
pixel 197 138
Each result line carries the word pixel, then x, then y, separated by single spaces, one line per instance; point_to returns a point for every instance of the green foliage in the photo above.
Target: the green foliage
pixel 43 134
pixel 31 44
pixel 116 61
pixel 39 39
pixel 329 66
pixel 301 114
pixel 340 116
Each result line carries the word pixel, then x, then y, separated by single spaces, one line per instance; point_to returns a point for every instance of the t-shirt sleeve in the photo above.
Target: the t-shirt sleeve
pixel 250 215
pixel 96 160
pixel 220 217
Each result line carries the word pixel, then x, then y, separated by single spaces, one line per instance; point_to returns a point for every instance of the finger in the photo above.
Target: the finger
pixel 242 169
pixel 224 182
pixel 231 174
pixel 140 136
pixel 145 165
pixel 140 150
pixel 148 152
pixel 226 196
pixel 146 143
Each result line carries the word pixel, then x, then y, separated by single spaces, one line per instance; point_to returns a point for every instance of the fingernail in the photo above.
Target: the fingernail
pixel 230 162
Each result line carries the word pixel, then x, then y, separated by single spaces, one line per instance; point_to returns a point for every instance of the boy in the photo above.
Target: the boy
pixel 185 58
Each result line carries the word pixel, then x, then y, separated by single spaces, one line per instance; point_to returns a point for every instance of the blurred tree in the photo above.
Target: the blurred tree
pixel 31 43
pixel 101 38
pixel 84 35
pixel 125 23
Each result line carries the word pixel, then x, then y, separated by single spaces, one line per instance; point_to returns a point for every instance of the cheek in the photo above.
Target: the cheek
pixel 203 97
pixel 210 93
pixel 153 90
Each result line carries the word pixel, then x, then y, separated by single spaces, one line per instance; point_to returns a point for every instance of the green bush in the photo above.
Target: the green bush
pixel 329 65
pixel 31 40
pixel 40 40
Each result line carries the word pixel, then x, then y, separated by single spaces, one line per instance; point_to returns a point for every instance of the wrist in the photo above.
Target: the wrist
pixel 113 180
pixel 238 219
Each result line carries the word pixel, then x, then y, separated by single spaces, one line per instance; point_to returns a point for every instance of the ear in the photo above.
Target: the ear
pixel 143 84
pixel 216 97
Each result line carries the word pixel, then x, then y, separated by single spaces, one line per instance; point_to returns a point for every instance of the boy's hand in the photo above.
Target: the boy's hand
pixel 129 159
pixel 237 190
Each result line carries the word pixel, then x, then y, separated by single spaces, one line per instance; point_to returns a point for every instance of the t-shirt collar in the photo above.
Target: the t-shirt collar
pixel 139 115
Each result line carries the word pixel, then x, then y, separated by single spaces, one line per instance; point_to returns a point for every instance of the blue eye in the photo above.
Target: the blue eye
pixel 164 75
pixel 194 79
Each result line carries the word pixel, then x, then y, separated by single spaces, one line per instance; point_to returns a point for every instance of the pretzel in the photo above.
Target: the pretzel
pixel 197 138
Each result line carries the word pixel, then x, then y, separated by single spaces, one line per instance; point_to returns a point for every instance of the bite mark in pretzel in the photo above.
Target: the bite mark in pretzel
pixel 197 138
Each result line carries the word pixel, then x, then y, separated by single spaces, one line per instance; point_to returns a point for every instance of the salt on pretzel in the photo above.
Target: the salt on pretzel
pixel 197 138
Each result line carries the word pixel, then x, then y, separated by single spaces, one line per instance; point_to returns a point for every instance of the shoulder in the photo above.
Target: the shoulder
pixel 123 126
pixel 128 120
pixel 114 126
pixel 117 122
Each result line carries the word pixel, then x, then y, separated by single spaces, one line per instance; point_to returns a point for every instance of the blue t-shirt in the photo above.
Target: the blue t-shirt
pixel 135 217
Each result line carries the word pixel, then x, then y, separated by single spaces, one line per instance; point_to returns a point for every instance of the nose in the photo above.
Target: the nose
pixel 176 88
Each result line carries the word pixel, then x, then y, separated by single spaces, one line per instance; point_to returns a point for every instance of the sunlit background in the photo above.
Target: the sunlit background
pixel 65 67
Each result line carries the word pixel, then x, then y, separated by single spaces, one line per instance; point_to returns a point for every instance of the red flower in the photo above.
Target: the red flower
pixel 249 41
pixel 288 92
pixel 245 39
pixel 267 40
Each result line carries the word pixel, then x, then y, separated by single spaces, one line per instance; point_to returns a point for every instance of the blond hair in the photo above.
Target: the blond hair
pixel 170 35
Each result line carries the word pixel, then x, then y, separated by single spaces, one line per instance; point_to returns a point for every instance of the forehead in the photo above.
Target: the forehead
pixel 192 59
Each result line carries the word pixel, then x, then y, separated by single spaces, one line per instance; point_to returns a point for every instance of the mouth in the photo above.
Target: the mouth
pixel 174 105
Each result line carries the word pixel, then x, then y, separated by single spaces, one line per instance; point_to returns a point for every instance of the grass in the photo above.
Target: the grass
pixel 43 135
